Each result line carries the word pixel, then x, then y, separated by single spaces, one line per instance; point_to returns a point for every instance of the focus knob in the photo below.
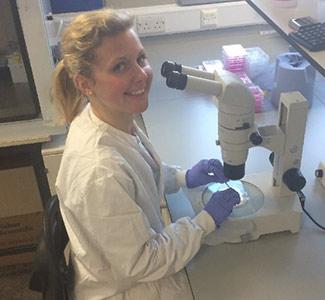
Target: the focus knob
pixel 294 180
pixel 256 138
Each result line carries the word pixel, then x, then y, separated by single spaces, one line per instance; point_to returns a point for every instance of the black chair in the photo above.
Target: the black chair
pixel 50 271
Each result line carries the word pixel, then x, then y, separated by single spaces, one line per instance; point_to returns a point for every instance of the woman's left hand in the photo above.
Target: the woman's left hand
pixel 204 172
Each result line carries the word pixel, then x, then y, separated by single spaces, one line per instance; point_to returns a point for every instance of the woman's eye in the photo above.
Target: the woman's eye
pixel 119 67
pixel 142 60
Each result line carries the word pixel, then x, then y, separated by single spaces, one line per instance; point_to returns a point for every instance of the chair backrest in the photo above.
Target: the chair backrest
pixel 50 271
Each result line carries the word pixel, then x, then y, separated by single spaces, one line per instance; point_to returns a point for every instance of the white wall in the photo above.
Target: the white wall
pixel 136 3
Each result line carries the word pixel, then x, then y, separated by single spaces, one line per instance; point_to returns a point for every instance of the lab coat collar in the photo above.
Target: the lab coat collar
pixel 107 127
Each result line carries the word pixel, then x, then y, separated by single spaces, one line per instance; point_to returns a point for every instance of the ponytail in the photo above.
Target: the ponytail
pixel 67 98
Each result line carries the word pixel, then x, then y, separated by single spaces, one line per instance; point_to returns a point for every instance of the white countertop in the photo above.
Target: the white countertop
pixel 27 132
pixel 183 128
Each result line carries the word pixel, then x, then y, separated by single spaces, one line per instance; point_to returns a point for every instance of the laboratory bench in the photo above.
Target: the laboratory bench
pixel 182 126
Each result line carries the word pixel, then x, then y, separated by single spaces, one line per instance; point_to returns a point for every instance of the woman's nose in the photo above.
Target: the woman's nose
pixel 140 73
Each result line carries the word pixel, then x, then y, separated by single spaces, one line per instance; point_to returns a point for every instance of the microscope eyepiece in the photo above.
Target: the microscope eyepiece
pixel 168 67
pixel 234 172
pixel 176 80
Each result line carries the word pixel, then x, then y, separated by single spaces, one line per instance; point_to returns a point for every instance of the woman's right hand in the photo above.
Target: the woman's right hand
pixel 221 204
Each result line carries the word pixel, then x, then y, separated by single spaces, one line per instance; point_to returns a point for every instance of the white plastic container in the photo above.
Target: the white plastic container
pixel 257 61
pixel 234 58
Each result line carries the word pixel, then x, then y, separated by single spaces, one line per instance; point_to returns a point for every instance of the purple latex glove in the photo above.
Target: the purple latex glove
pixel 204 172
pixel 221 204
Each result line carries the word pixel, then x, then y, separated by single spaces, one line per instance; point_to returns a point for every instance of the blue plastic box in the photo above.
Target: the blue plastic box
pixel 65 6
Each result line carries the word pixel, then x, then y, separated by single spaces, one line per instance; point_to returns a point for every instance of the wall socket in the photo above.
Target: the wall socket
pixel 150 24
pixel 320 173
pixel 209 18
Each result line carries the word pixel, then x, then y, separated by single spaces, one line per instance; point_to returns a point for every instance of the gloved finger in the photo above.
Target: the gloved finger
pixel 215 167
pixel 229 199
pixel 234 196
pixel 204 165
pixel 218 178
pixel 227 206
pixel 234 192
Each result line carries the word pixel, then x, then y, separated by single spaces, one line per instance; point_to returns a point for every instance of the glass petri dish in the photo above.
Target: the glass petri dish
pixel 251 197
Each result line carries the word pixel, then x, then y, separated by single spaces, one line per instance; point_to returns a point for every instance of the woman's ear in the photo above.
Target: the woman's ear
pixel 83 84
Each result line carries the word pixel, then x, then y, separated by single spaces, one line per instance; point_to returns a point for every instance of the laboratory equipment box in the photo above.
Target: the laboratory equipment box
pixel 21 216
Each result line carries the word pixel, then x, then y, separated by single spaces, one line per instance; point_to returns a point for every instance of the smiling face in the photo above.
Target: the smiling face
pixel 121 80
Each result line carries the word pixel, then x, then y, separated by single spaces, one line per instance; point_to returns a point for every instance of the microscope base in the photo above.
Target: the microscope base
pixel 279 211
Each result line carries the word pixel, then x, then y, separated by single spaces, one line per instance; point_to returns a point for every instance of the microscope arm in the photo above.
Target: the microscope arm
pixel 285 140
pixel 270 137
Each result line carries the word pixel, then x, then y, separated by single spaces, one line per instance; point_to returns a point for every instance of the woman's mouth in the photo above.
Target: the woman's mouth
pixel 137 92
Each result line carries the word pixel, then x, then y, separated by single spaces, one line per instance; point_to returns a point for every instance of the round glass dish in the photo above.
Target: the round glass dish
pixel 251 197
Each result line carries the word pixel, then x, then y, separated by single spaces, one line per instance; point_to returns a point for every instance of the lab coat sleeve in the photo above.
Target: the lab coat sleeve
pixel 178 244
pixel 114 227
pixel 174 178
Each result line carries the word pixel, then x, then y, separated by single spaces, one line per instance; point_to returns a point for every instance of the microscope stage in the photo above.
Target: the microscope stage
pixel 263 209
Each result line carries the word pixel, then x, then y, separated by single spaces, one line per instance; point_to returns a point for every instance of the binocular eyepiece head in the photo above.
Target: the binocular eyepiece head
pixel 173 74
pixel 168 67
pixel 176 80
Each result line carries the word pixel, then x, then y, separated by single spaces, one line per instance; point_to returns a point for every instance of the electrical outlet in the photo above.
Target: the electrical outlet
pixel 209 18
pixel 149 24
pixel 320 173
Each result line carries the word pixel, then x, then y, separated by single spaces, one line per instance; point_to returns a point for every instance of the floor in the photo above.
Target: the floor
pixel 15 286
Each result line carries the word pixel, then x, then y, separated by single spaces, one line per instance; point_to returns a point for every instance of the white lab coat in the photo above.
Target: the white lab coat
pixel 110 184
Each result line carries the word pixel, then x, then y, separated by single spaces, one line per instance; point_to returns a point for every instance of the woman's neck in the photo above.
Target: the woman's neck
pixel 122 122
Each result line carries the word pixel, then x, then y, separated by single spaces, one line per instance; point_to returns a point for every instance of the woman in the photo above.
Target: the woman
pixel 111 180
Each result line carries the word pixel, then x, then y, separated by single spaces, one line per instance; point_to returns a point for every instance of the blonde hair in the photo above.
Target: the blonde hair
pixel 78 44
